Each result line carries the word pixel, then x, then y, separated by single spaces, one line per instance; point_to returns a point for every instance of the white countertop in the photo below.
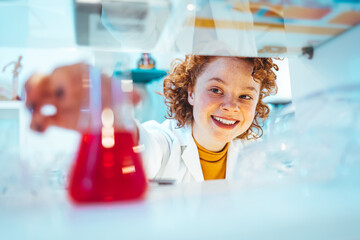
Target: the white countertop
pixel 209 210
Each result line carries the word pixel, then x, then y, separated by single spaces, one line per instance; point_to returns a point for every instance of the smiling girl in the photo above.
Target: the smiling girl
pixel 215 106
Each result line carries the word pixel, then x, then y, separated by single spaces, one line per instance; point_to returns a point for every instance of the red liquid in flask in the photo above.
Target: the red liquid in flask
pixel 107 174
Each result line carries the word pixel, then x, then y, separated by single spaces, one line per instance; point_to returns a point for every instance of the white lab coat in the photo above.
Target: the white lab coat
pixel 171 152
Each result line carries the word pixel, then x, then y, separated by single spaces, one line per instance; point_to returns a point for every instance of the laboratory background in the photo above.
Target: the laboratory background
pixel 300 181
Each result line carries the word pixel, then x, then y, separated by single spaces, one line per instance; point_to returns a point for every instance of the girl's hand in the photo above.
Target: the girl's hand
pixel 56 99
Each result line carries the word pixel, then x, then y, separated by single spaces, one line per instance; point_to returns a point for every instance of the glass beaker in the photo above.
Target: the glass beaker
pixel 108 167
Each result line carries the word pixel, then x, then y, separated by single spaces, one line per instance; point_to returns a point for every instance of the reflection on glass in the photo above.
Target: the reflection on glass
pixel 211 27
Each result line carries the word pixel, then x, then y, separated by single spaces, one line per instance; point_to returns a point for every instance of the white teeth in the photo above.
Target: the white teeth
pixel 224 121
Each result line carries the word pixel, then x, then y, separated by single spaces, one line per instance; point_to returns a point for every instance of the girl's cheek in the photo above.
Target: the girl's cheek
pixel 208 101
pixel 248 106
pixel 249 110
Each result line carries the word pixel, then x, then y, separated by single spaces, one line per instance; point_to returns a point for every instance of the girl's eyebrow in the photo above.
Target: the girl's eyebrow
pixel 251 89
pixel 217 79
pixel 223 82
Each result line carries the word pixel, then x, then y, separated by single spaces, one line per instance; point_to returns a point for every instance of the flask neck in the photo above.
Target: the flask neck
pixel 109 104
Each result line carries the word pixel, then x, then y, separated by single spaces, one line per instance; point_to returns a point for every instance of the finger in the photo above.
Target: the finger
pixel 38 92
pixel 30 87
pixel 38 122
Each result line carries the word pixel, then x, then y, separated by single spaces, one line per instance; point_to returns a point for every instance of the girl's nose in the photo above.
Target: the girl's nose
pixel 230 105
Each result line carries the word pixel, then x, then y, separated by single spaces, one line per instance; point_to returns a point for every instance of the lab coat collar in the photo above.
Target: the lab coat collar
pixel 235 146
pixel 190 154
pixel 231 159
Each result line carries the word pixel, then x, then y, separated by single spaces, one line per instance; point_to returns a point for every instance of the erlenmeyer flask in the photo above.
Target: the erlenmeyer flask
pixel 108 167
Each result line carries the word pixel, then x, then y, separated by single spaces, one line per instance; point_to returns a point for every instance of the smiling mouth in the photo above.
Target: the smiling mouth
pixel 225 122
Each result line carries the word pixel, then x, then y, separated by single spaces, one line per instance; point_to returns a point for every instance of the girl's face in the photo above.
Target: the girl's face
pixel 224 100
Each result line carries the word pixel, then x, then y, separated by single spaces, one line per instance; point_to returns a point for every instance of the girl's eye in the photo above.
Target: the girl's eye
pixel 215 90
pixel 246 97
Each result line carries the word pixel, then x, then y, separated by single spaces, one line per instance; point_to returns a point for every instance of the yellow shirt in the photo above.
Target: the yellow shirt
pixel 213 164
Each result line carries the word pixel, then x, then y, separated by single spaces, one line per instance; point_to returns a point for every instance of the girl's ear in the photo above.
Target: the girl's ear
pixel 191 97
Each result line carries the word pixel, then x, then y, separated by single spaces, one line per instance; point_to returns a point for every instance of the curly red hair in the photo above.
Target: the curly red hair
pixel 182 77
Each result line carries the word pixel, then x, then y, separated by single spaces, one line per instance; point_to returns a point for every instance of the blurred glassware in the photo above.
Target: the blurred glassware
pixel 32 174
pixel 280 119
pixel 137 24
pixel 59 171
pixel 321 143
pixel 9 129
pixel 5 85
